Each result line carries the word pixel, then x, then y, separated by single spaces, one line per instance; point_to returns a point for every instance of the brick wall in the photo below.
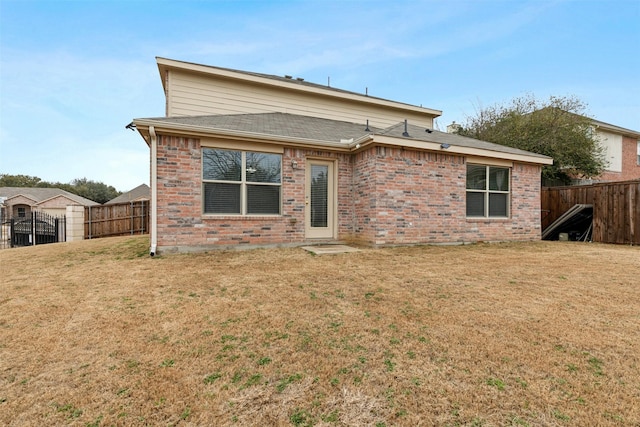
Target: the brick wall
pixel 386 196
pixel 411 197
pixel 181 224
pixel 364 189
pixel 630 167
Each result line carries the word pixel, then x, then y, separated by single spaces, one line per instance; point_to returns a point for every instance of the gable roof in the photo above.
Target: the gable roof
pixel 616 129
pixel 39 194
pixel 291 129
pixel 597 123
pixel 275 124
pixel 286 82
pixel 141 192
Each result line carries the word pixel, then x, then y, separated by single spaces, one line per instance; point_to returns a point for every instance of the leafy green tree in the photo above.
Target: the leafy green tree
pixel 92 190
pixel 7 180
pixel 559 128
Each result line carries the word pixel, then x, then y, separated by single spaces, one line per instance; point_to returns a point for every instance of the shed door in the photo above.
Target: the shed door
pixel 320 200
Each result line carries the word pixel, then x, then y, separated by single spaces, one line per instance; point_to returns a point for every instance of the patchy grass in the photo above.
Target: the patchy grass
pixel 530 334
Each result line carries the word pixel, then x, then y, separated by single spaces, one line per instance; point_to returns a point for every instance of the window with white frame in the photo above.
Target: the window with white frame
pixel 638 152
pixel 241 182
pixel 488 191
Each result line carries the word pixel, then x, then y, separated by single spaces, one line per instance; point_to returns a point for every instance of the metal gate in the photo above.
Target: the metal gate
pixel 37 228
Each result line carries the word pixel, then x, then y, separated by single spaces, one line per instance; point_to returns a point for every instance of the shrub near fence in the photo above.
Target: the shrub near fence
pixel 616 208
pixel 116 219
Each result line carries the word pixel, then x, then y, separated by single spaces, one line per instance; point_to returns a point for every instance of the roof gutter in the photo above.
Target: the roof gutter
pixel 361 142
pixel 154 190
pixel 464 151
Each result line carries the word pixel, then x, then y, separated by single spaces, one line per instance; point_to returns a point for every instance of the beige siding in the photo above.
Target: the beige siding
pixel 612 144
pixel 191 94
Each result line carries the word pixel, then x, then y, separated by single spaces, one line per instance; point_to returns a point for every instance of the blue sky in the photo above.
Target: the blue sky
pixel 74 73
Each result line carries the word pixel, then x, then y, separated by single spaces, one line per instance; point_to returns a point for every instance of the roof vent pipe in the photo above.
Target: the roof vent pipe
pixel 405 133
pixel 367 128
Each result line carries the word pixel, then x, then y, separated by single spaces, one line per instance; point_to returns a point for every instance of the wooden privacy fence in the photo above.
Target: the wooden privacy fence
pixel 616 208
pixel 116 220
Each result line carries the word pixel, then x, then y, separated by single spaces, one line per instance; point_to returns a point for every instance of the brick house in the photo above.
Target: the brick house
pixel 252 159
pixel 622 152
pixel 19 202
pixel 141 193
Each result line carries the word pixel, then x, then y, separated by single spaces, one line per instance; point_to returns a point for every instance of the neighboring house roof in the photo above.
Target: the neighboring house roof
pixel 600 124
pixel 616 129
pixel 141 192
pixel 317 132
pixel 39 195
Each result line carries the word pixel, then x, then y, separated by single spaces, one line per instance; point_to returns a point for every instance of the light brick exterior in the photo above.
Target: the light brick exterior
pixel 630 167
pixel 386 196
pixel 412 197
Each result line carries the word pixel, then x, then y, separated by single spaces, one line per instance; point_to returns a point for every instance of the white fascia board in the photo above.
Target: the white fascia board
pixel 460 150
pixel 180 129
pixel 616 129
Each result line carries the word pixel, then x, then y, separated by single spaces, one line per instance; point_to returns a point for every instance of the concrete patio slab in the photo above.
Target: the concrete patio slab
pixel 329 249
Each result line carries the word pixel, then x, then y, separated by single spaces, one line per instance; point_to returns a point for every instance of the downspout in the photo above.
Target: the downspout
pixel 154 191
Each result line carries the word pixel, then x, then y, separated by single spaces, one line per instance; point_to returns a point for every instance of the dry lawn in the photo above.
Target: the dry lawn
pixel 528 334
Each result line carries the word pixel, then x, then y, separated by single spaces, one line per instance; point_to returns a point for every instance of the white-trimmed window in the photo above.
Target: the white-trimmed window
pixel 638 152
pixel 241 182
pixel 488 191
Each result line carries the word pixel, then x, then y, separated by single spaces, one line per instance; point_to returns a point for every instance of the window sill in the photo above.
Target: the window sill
pixel 488 218
pixel 240 217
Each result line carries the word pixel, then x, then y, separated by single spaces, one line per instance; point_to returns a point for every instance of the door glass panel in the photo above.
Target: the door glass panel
pixel 319 193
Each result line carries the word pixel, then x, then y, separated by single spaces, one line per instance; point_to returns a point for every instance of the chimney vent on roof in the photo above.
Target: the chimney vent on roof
pixel 300 79
pixel 367 128
pixel 405 133
pixel 287 76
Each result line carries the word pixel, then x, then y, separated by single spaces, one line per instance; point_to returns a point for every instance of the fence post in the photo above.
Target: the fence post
pixel 90 225
pixel 12 232
pixel 74 226
pixel 34 218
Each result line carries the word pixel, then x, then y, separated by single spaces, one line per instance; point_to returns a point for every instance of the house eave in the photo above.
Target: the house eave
pixel 461 150
pixel 616 129
pixel 178 129
pixel 354 145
